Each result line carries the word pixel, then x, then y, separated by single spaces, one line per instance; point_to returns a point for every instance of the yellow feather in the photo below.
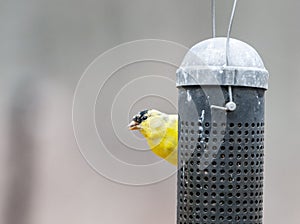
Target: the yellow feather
pixel 161 133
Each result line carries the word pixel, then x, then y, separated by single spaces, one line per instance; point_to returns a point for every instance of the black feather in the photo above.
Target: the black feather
pixel 140 117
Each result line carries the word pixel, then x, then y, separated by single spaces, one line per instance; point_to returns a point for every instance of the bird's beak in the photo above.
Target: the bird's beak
pixel 134 125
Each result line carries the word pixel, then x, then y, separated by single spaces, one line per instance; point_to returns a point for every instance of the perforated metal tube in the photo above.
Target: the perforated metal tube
pixel 221 153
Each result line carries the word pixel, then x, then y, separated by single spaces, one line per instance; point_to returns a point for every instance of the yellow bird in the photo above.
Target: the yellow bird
pixel 160 131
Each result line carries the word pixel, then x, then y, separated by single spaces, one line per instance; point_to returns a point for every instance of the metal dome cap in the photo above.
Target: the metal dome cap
pixel 205 64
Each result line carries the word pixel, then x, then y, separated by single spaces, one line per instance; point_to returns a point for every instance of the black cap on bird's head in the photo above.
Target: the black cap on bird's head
pixel 137 119
pixel 140 116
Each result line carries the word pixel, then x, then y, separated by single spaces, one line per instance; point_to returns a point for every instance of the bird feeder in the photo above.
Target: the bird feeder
pixel 221 84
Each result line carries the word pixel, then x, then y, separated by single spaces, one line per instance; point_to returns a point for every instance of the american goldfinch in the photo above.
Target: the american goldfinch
pixel 160 131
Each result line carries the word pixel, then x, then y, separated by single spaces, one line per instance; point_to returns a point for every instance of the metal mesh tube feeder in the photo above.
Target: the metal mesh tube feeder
pixel 221 134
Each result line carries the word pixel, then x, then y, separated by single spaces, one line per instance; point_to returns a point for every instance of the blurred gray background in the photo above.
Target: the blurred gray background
pixel 44 48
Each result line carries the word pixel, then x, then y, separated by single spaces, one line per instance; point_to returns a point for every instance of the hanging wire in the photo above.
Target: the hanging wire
pixel 230 106
pixel 213 14
pixel 229 30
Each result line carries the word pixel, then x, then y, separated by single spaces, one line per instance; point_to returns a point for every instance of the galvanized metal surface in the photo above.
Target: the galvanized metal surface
pixel 205 64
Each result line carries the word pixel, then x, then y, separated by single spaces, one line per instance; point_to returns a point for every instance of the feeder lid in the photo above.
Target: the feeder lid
pixel 205 64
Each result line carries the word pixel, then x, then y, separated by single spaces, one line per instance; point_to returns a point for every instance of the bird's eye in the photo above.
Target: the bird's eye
pixel 145 117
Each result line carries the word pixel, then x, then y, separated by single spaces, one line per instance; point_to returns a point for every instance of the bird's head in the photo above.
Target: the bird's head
pixel 147 120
